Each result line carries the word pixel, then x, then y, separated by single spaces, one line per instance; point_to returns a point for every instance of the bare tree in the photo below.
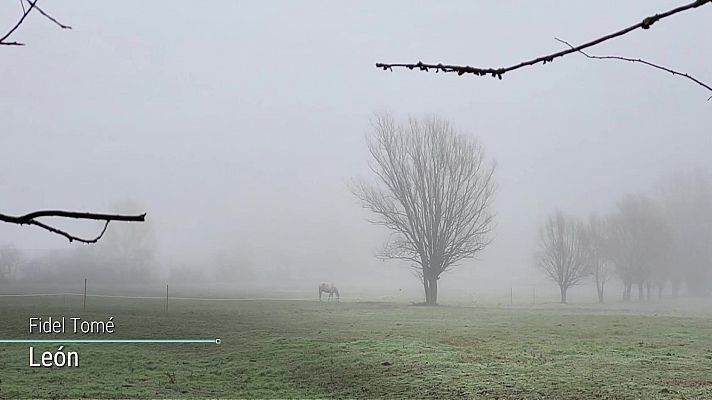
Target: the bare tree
pixel 645 23
pixel 33 217
pixel 562 251
pixel 686 198
pixel 435 193
pixel 598 254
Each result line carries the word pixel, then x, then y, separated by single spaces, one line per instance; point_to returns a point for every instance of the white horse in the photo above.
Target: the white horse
pixel 328 288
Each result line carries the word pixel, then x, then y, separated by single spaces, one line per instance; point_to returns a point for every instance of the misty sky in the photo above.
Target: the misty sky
pixel 237 125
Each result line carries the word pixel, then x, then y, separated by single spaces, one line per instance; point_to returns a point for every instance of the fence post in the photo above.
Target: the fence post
pixel 166 297
pixel 511 296
pixel 85 294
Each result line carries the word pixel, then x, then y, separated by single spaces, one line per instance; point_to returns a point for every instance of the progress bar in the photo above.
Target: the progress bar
pixel 213 341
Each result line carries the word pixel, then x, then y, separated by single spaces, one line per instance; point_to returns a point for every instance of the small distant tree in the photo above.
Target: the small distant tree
pixel 597 254
pixel 435 194
pixel 640 242
pixel 686 199
pixel 10 258
pixel 562 254
pixel 129 251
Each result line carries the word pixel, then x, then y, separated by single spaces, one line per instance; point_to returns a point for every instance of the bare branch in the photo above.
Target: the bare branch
pixel 31 219
pixel 648 63
pixel 25 12
pixel 23 219
pixel 17 25
pixel 646 23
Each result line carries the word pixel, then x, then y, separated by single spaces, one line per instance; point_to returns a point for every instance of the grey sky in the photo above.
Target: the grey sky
pixel 238 124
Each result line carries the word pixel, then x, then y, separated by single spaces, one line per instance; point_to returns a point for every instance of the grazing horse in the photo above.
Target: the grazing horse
pixel 328 288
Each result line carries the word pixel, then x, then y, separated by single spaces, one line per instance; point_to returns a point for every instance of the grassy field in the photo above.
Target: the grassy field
pixel 366 350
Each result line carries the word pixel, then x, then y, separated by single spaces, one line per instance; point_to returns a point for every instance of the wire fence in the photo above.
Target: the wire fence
pixel 173 297
pixel 514 296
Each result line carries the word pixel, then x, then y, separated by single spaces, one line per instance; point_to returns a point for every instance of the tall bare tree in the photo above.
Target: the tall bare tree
pixel 435 191
pixel 562 251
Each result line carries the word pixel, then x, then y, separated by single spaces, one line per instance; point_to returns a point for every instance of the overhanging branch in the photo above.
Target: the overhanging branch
pixel 31 219
pixel 646 23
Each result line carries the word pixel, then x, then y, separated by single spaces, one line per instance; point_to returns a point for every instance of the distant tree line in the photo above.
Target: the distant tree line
pixel 646 241
pixel 126 255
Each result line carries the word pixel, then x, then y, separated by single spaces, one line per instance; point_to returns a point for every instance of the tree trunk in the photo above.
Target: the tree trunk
pixel 626 290
pixel 432 299
pixel 426 286
pixel 563 294
pixel 640 291
pixel 430 285
pixel 600 292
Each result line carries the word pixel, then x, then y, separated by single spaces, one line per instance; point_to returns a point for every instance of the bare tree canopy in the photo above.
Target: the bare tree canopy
pixel 435 192
pixel 646 23
pixel 562 251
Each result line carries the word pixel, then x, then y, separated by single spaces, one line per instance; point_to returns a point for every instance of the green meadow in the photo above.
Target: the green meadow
pixel 307 349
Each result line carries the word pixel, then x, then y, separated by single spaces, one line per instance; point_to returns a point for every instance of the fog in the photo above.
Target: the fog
pixel 237 126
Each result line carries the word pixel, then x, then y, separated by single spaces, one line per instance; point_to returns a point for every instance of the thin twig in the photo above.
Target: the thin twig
pixel 70 237
pixel 49 17
pixel 648 63
pixel 498 72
